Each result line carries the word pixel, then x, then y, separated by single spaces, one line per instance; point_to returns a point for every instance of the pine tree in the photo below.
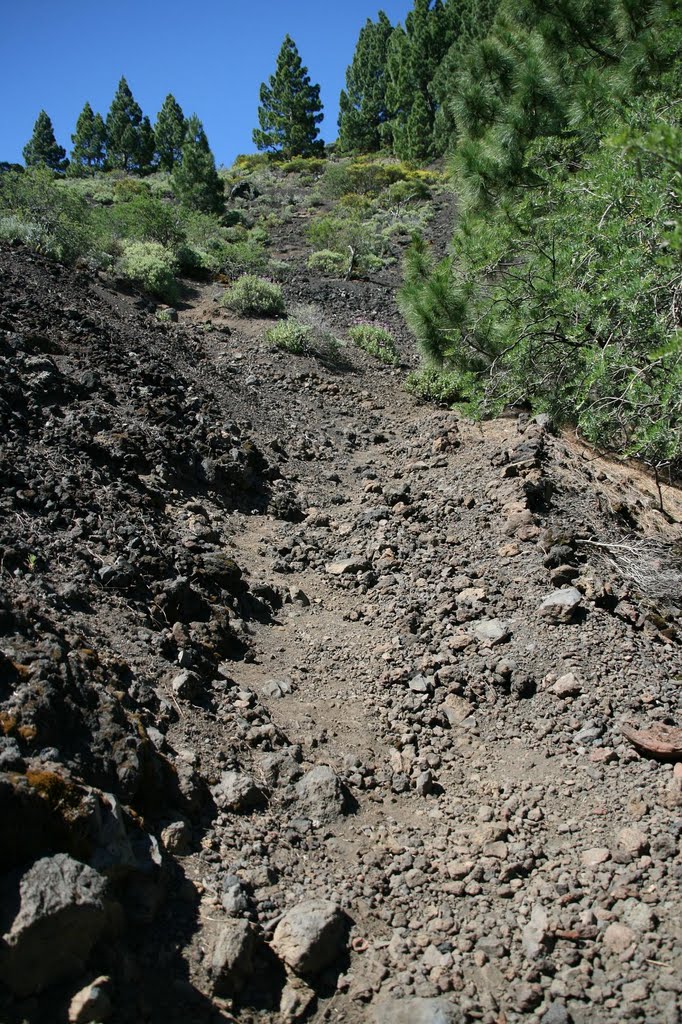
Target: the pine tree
pixel 42 149
pixel 89 141
pixel 290 108
pixel 123 129
pixel 195 179
pixel 418 141
pixel 362 106
pixel 146 150
pixel 170 133
pixel 414 56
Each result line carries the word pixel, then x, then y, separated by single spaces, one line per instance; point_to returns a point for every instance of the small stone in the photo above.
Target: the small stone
pixel 346 566
pixel 420 684
pixel 561 605
pixel 556 1014
pixel 491 632
pixel 277 688
pixel 187 685
pixel 618 937
pixel 534 934
pixel 297 998
pixel 527 997
pixel 630 844
pixel 416 1011
pixel 238 791
pixel 424 784
pixel 635 991
pixel 232 960
pixel 92 1003
pixel 567 686
pixel 177 838
pixel 593 858
pixel 310 936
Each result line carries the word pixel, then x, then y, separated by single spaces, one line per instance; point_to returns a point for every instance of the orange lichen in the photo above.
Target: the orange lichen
pixel 27 732
pixel 8 723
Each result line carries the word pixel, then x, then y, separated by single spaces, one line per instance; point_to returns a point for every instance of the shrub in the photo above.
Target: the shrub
pixel 140 216
pixel 152 267
pixel 129 188
pixel 412 190
pixel 252 161
pixel 254 296
pixel 327 261
pixel 60 220
pixel 13 229
pixel 376 341
pixel 291 336
pixel 304 165
pixel 447 387
pixel 360 176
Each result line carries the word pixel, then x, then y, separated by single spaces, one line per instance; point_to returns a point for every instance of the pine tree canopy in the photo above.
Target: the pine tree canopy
pixel 42 148
pixel 123 129
pixel 195 179
pixel 88 141
pixel 363 112
pixel 169 132
pixel 290 109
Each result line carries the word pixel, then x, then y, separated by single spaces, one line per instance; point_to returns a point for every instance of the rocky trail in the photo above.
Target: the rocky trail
pixel 315 700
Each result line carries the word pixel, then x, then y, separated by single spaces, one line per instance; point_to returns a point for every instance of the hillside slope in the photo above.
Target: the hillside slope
pixel 273 632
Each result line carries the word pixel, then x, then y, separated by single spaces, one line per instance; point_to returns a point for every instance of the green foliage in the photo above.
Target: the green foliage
pixel 361 177
pixel 153 267
pixel 169 131
pixel 139 216
pixel 305 165
pixel 128 140
pixel 89 141
pixel 328 262
pixel 13 229
pixel 562 287
pixel 55 221
pixel 290 336
pixel 376 341
pixel 253 296
pixel 290 109
pixel 446 387
pixel 355 238
pixel 42 149
pixel 195 179
pixel 363 110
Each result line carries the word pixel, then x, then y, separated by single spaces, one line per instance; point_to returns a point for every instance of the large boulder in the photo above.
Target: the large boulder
pixel 321 795
pixel 310 936
pixel 51 918
pixel 232 960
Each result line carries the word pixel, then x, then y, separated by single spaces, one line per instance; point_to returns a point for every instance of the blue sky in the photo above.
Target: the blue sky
pixel 212 56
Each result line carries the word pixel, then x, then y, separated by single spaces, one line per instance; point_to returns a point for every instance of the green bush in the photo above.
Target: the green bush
pixel 152 267
pixel 61 225
pixel 291 336
pixel 447 387
pixel 254 296
pixel 304 165
pixel 126 189
pixel 376 341
pixel 140 216
pixel 360 176
pixel 411 190
pixel 329 262
pixel 13 229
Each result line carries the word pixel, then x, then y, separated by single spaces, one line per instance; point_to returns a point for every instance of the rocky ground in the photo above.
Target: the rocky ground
pixel 315 701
